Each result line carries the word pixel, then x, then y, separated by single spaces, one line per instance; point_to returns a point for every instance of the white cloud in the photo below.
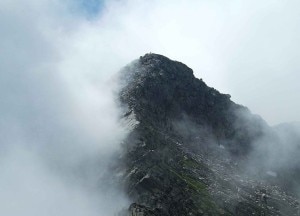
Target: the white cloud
pixel 59 130
pixel 246 48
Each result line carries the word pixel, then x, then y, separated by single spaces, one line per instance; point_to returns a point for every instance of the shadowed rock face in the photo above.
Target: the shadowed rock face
pixel 188 146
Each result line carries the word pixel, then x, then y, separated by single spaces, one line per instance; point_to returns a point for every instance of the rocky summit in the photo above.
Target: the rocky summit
pixel 190 146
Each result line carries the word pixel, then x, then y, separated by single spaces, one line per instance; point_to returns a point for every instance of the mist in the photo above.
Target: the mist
pixel 59 122
pixel 275 157
pixel 248 49
pixel 59 129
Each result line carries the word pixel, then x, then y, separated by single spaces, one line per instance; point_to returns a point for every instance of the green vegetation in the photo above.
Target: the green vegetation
pixel 190 163
pixel 199 193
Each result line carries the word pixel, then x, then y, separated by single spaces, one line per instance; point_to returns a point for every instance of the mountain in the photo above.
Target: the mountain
pixel 190 147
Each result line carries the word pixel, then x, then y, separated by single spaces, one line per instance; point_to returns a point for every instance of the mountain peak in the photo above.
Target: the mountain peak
pixel 182 156
pixel 154 65
pixel 159 90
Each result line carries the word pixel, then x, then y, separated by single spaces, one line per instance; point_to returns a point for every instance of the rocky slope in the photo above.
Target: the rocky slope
pixel 189 147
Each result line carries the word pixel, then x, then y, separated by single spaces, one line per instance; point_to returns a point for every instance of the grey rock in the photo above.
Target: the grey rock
pixel 185 154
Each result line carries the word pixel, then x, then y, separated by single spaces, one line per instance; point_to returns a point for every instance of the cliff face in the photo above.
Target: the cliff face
pixel 189 144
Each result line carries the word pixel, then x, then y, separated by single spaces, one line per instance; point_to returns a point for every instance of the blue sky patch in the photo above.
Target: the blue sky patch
pixel 89 8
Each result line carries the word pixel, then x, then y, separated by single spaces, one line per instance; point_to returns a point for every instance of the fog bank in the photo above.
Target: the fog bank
pixel 59 122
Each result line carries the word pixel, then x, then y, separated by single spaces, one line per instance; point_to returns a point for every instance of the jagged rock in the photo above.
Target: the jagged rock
pixel 185 153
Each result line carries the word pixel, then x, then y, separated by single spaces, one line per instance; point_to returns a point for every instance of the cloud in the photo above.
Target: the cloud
pixel 56 65
pixel 59 127
pixel 248 49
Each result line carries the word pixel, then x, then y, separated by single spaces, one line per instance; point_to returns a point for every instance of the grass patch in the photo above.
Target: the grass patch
pixel 199 192
pixel 190 163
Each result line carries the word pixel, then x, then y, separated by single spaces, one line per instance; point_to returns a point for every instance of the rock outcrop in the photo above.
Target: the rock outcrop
pixel 189 146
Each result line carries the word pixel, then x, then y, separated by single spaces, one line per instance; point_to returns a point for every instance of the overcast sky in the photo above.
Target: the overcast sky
pixel 57 66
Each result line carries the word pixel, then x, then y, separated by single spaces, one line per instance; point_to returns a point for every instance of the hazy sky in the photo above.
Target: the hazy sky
pixel 57 66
